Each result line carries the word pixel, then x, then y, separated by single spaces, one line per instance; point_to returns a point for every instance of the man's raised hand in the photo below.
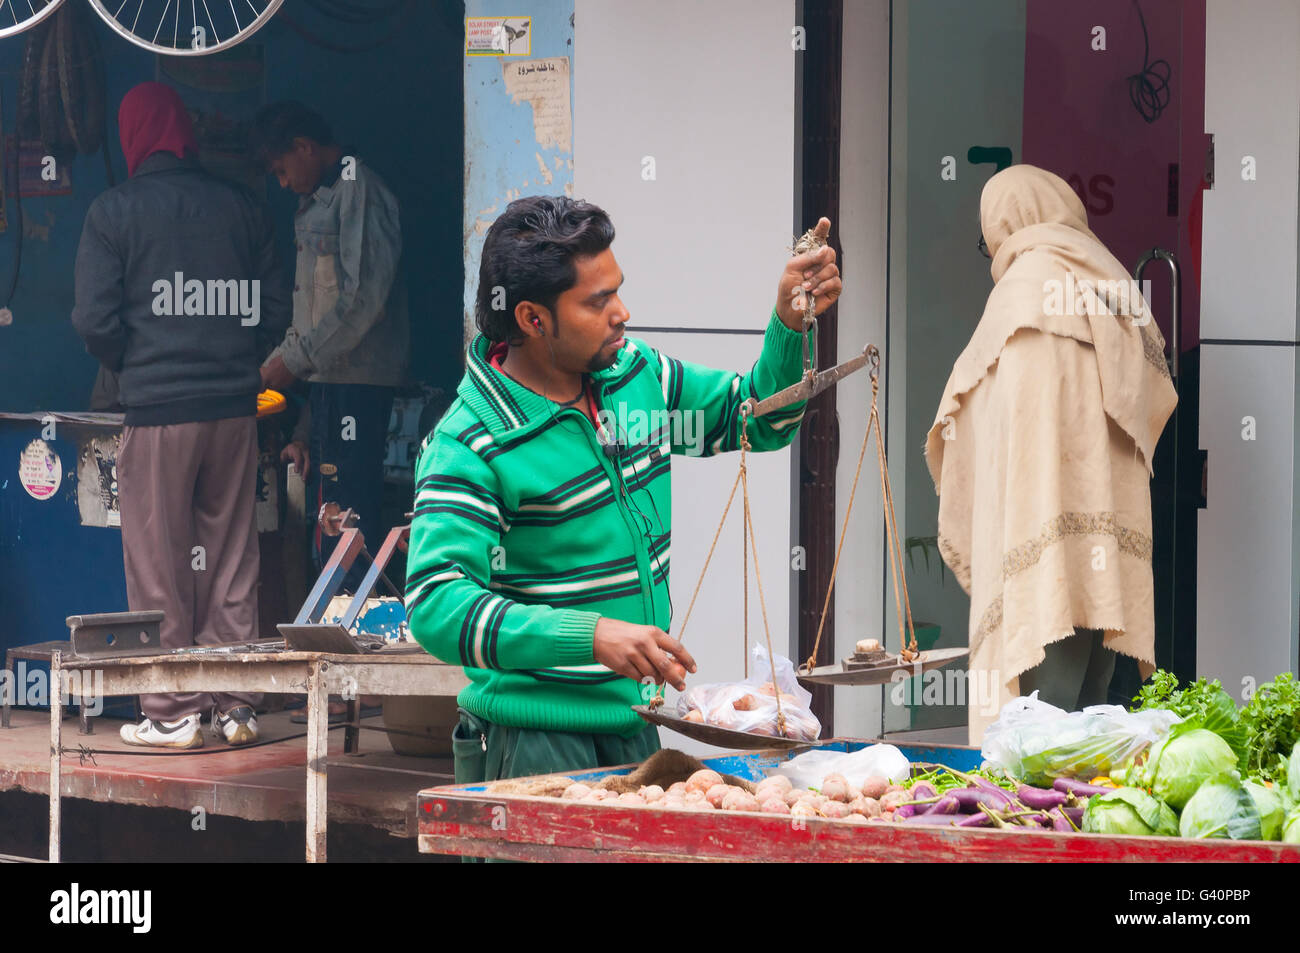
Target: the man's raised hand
pixel 811 273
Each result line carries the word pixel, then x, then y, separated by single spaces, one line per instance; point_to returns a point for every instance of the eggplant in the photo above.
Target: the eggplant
pixel 1060 822
pixel 945 805
pixel 1040 798
pixel 906 811
pixel 1079 789
pixel 970 799
pixel 1075 814
pixel 934 820
pixel 978 819
pixel 923 790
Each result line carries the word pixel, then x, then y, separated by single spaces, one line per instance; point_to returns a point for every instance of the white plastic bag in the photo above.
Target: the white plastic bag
pixel 750 705
pixel 1037 742
pixel 874 761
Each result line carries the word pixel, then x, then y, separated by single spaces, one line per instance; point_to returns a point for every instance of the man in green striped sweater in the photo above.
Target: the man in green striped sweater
pixel 540 545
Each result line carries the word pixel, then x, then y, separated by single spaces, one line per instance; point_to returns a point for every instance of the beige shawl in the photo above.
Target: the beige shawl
pixel 1041 448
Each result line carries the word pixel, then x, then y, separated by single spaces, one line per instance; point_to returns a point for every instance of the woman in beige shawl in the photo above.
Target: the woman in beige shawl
pixel 1041 455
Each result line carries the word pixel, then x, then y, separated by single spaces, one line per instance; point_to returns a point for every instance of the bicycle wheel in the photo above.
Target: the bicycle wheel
pixel 185 27
pixel 19 15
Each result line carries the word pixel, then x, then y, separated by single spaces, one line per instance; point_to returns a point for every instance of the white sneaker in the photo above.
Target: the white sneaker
pixel 239 725
pixel 184 733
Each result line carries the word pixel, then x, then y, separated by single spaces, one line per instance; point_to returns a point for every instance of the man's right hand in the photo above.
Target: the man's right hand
pixel 297 454
pixel 641 652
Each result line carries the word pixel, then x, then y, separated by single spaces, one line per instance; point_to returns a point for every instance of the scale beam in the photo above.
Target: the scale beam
pixel 814 383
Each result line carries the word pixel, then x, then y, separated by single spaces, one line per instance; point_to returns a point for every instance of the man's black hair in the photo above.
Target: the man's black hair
pixel 276 126
pixel 529 254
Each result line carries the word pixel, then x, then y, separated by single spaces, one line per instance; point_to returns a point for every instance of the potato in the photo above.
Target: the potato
pixel 866 806
pixel 702 780
pixel 855 819
pixel 895 787
pixel 867 645
pixel 745 703
pixel 652 793
pixel 715 794
pixel 738 800
pixel 774 805
pixel 804 809
pixel 630 799
pixel 777 780
pixel 768 688
pixel 875 787
pixel 678 788
pixel 795 795
pixel 694 797
pixel 695 715
pixel 575 792
pixel 835 787
pixel 893 799
pixel 835 809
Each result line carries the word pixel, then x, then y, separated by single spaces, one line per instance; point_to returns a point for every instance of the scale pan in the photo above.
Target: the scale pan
pixel 722 737
pixel 880 675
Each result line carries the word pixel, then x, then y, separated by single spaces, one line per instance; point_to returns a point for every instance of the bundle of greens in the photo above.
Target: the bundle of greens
pixel 1271 722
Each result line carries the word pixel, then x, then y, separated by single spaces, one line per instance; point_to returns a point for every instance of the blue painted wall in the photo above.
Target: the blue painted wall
pixel 501 150
pixel 400 105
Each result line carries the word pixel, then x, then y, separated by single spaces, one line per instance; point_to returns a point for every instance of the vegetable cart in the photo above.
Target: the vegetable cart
pixel 467 820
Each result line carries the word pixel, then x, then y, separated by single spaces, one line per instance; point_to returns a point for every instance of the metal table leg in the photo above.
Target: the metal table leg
pixel 317 752
pixel 56 745
pixel 352 733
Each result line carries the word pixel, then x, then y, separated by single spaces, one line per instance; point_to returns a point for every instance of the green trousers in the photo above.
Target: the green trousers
pixel 487 752
pixel 1075 674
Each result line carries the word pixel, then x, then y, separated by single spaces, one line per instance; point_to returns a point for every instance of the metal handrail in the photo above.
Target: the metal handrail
pixel 1175 336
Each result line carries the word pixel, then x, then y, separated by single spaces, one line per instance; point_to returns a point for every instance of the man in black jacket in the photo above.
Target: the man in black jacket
pixel 179 293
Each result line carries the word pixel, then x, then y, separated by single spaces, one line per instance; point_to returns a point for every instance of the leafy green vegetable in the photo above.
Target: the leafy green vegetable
pixel 1129 811
pixel 1291 828
pixel 1271 808
pixel 1221 807
pixel 1186 758
pixel 1202 704
pixel 1293 774
pixel 1272 723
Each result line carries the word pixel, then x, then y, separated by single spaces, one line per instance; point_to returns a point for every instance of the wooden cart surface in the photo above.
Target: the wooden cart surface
pixel 467 820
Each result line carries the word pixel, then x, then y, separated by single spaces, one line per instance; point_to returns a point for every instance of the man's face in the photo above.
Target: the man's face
pixel 591 316
pixel 300 168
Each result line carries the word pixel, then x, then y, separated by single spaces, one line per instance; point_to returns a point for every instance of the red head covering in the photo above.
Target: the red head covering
pixel 153 119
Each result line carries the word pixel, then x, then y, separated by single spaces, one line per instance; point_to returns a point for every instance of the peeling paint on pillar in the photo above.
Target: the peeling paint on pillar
pixel 502 151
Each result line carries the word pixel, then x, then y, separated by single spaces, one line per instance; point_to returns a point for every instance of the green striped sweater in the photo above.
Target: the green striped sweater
pixel 527 529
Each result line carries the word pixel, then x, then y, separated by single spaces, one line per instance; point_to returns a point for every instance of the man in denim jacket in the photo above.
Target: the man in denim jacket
pixel 349 338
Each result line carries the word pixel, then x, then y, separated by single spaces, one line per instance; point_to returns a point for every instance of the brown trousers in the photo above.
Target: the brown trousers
pixel 189 541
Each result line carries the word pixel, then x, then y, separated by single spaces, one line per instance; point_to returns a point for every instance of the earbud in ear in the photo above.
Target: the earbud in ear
pixel 537 322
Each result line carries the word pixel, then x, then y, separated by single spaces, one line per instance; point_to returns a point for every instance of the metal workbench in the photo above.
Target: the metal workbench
pixel 467 820
pixel 399 671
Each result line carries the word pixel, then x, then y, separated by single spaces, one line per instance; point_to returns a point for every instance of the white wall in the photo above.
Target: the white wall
pixel 1248 574
pixel 707 90
pixel 864 180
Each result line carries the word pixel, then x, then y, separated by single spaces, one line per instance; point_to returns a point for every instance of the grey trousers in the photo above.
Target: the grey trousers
pixel 1075 674
pixel 189 541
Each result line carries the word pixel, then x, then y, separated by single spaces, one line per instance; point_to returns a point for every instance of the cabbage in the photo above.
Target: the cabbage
pixel 1221 807
pixel 1291 829
pixel 1129 811
pixel 1271 807
pixel 1180 763
pixel 1293 774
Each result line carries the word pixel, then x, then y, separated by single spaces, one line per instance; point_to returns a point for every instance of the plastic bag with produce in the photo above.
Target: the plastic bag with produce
pixel 751 705
pixel 1037 742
